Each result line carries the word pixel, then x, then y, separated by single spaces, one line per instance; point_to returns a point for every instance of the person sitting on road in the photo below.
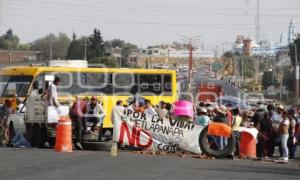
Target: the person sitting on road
pixel 221 117
pixel 95 113
pixel 78 109
pixel 221 114
pixel 202 118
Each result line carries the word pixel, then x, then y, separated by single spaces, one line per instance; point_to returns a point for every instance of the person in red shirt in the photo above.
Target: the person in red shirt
pixel 229 114
pixel 77 112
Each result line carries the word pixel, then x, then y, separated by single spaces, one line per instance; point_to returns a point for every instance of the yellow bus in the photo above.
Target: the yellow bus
pixel 109 84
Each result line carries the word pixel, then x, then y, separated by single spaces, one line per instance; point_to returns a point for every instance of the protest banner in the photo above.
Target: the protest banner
pixel 136 129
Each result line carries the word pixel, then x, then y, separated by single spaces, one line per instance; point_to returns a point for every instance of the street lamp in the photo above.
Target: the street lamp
pixel 296 73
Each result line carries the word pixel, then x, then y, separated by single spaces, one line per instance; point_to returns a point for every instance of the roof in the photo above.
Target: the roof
pixel 26 70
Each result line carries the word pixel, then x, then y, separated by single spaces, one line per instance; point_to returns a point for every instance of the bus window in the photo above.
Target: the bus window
pixel 167 84
pixel 150 83
pixel 96 82
pixel 14 85
pixel 123 82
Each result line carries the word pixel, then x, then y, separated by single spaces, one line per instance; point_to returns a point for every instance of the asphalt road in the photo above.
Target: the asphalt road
pixel 36 164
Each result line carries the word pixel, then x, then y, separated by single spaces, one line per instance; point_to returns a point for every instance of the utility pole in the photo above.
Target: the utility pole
pixel 296 74
pixel 190 41
pixel 85 44
pixel 50 47
pixel 257 22
pixel 242 67
pixel 257 69
pixel 190 64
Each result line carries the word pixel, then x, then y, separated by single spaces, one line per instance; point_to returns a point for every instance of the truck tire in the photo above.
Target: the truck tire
pixel 207 150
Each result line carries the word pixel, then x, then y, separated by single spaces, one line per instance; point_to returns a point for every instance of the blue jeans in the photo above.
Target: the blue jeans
pixel 283 143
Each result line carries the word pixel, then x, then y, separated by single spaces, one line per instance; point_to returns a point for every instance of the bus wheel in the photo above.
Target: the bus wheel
pixel 209 146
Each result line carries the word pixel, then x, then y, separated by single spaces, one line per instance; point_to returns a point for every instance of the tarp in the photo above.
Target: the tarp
pixel 154 133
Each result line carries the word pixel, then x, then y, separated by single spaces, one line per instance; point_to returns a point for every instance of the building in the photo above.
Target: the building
pixel 7 56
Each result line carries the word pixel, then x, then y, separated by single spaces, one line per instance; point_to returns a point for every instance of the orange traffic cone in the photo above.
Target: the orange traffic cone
pixel 247 145
pixel 64 135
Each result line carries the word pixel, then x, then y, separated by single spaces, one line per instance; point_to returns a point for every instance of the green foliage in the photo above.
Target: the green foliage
pixel 292 50
pixel 76 48
pixel 24 47
pixel 60 45
pixel 108 61
pixel 267 79
pixel 96 46
pixel 249 65
pixel 288 79
pixel 9 40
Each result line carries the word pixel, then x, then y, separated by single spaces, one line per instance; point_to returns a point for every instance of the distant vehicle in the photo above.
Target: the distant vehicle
pixel 234 101
pixel 209 92
pixel 253 98
pixel 212 75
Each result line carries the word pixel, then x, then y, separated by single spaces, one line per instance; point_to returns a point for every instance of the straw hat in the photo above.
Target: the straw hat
pixel 222 109
pixel 250 113
pixel 281 107
pixel 203 110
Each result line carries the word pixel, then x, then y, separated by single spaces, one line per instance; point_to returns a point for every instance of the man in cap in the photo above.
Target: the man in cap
pixel 96 113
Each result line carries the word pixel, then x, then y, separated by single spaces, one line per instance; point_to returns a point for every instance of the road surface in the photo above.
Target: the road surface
pixel 36 164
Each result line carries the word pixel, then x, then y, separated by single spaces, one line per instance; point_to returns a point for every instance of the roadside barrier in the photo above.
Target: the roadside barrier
pixel 64 135
pixel 247 145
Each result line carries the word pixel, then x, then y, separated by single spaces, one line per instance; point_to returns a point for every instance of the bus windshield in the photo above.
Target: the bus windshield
pixel 11 86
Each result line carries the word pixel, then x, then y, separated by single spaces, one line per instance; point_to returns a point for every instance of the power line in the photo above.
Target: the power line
pixel 138 22
pixel 129 10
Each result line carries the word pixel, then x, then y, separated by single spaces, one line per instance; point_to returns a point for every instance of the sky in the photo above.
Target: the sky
pixel 213 22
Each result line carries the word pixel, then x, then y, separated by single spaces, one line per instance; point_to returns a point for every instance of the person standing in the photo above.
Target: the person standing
pixel 77 113
pixel 149 110
pixel 283 132
pixel 117 111
pixel 292 142
pixel 236 123
pixel 5 111
pixel 257 121
pixel 52 92
pixel 162 110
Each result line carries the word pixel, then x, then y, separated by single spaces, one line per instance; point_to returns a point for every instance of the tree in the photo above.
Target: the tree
pixel 292 50
pixel 108 61
pixel 267 79
pixel 96 47
pixel 9 40
pixel 76 48
pixel 60 45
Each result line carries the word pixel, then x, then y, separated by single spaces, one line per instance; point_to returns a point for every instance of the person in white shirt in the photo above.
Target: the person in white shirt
pixel 117 111
pixel 162 110
pixel 149 110
pixel 52 92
